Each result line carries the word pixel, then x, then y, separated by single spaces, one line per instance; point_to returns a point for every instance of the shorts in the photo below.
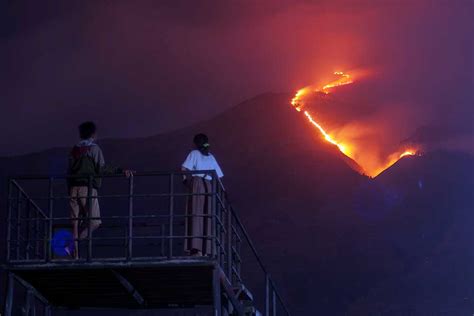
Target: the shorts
pixel 79 205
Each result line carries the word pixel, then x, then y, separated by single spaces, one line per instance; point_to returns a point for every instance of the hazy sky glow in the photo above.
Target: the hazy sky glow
pixel 143 67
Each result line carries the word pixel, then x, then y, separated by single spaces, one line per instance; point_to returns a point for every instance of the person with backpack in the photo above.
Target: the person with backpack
pixel 86 160
pixel 198 207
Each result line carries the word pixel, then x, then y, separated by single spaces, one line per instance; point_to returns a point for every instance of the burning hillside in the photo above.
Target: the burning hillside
pixel 373 161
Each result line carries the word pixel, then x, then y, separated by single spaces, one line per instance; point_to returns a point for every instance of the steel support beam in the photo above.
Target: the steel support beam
pixel 267 295
pixel 9 296
pixel 274 305
pixel 130 288
pixel 31 294
pixel 231 294
pixel 216 288
pixel 31 289
pixel 29 304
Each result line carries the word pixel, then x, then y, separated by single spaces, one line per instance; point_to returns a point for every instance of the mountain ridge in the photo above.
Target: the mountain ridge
pixel 334 240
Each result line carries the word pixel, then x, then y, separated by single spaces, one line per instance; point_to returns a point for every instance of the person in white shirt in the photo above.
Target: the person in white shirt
pixel 198 207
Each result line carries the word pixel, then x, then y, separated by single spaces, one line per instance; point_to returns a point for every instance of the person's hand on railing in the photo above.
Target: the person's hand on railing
pixel 129 173
pixel 187 181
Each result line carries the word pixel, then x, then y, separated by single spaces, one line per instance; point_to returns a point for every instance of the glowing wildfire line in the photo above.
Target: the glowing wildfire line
pixel 407 153
pixel 344 79
pixel 326 135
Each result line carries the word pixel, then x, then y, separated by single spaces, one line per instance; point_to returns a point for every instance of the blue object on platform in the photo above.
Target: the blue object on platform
pixel 61 239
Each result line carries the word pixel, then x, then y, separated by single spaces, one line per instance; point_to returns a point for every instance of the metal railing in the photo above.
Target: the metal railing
pixel 148 223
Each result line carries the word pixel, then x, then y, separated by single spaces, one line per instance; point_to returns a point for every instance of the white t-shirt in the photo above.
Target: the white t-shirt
pixel 197 161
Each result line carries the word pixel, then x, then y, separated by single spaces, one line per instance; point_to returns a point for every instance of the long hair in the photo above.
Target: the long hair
pixel 202 143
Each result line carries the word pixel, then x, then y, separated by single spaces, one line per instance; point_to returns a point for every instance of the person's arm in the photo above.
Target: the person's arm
pixel 105 169
pixel 188 165
pixel 185 177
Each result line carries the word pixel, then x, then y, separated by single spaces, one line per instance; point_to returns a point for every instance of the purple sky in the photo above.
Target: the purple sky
pixel 142 67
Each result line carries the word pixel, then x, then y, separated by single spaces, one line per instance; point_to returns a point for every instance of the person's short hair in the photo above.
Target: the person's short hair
pixel 201 140
pixel 87 130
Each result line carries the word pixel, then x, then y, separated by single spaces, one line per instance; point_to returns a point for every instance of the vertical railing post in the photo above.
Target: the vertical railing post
pixel 9 218
pixel 163 240
pixel 37 235
pixel 218 240
pixel 274 308
pixel 28 302
pixel 267 295
pixel 216 287
pixel 171 213
pixel 28 228
pixel 130 218
pixel 50 220
pixel 89 211
pixel 9 297
pixel 47 310
pixel 238 246
pixel 217 235
pixel 18 224
pixel 214 215
pixel 229 242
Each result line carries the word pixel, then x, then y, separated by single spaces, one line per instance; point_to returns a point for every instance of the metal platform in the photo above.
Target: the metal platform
pixel 136 260
pixel 155 285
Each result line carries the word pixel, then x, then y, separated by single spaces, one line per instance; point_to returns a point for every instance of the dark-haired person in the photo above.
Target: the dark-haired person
pixel 199 206
pixel 86 159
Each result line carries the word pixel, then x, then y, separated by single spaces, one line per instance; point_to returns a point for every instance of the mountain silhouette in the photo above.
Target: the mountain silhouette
pixel 336 242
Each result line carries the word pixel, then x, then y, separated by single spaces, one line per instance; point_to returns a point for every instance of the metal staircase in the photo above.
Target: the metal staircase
pixel 136 260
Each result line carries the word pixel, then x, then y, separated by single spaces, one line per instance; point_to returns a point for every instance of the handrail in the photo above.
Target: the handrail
pixel 254 251
pixel 218 192
pixel 119 175
pixel 18 187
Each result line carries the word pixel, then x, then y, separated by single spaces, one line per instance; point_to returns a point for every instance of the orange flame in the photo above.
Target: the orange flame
pixel 344 79
pixel 392 159
pixel 327 137
pixel 296 101
pixel 408 153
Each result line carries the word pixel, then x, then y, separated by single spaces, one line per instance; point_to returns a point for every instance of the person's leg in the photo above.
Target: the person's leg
pixel 93 214
pixel 207 221
pixel 197 221
pixel 74 215
pixel 188 225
